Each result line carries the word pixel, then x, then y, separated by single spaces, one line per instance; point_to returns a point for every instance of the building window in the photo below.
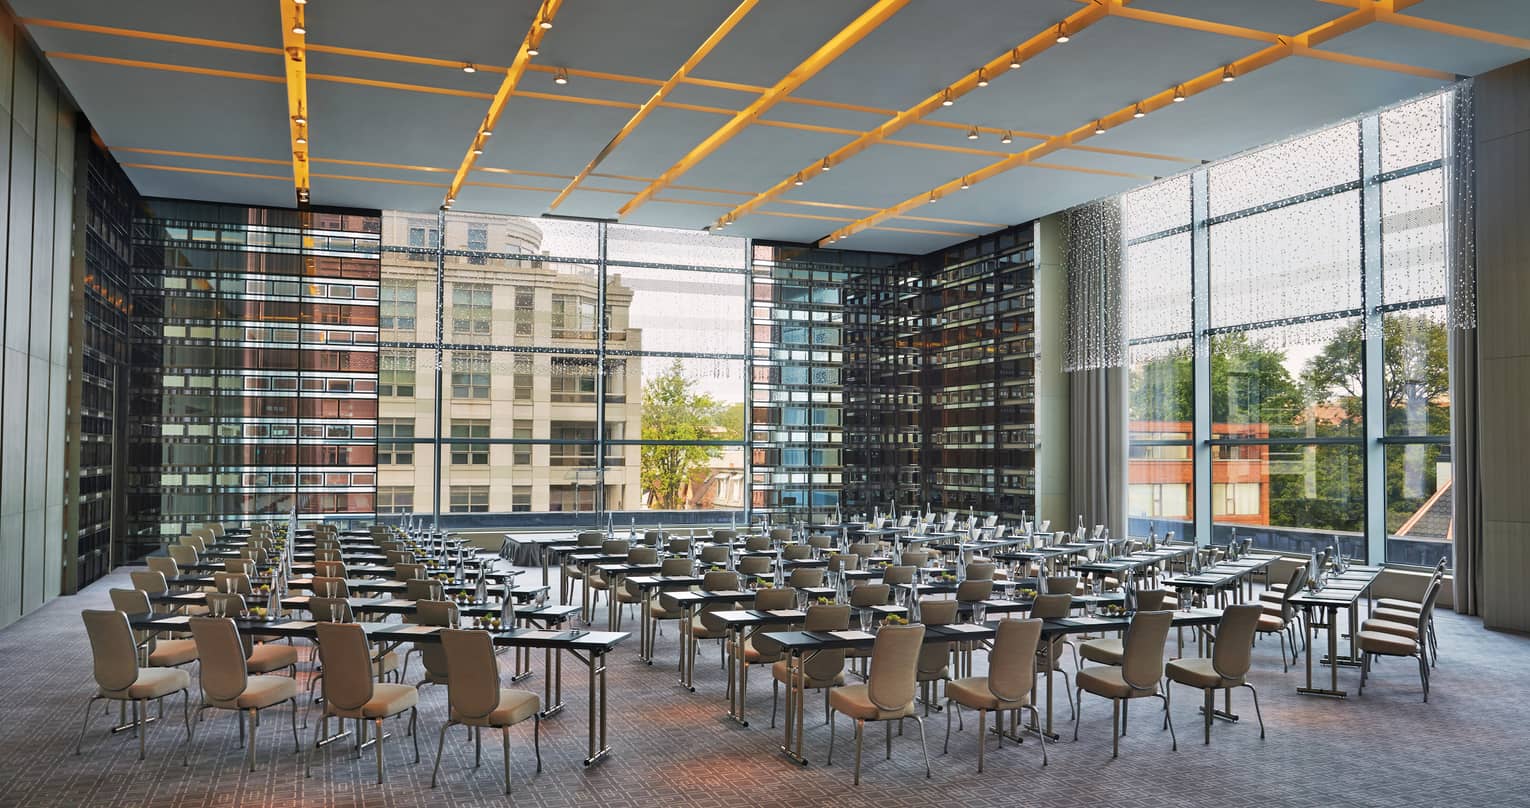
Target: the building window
pixel 525 306
pixel 472 308
pixel 478 241
pixel 395 498
pixel 396 305
pixel 470 374
pixel 424 236
pixel 395 374
pixel 573 317
pixel 580 454
pixel 522 454
pixel 522 378
pixel 520 498
pixel 469 499
pixel 395 441
pixel 573 381
pixel 466 451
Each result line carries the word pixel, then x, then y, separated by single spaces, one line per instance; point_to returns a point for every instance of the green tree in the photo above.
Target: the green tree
pixel 674 411
pixel 732 422
pixel 1415 371
pixel 1249 384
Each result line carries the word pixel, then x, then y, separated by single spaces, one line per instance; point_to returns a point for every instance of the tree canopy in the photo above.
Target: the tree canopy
pixel 674 411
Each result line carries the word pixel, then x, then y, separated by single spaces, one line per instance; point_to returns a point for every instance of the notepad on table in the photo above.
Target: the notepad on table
pixel 966 628
pixel 852 635
pixel 175 620
pixel 299 624
pixel 539 635
pixel 419 630
pixel 786 613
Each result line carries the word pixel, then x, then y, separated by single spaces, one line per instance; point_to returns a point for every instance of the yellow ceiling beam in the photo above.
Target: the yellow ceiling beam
pixel 200 71
pixel 295 59
pixel 1202 83
pixel 1447 29
pixel 701 52
pixel 502 96
pixel 842 41
pixel 999 66
pixel 1375 64
pixel 212 171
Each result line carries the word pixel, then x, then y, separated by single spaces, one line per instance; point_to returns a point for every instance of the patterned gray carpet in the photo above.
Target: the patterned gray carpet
pixel 674 748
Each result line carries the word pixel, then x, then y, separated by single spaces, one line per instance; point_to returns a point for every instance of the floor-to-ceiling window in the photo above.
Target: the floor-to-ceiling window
pixel 1286 327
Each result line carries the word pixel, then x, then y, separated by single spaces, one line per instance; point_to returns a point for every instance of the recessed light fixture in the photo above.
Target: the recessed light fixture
pixel 982 78
pixel 1099 128
pixel 972 134
pixel 933 197
pixel 300 119
pixel 1179 94
pixel 301 139
pixel 1138 113
pixel 1007 137
pixel 1014 59
pixel 965 184
pixel 469 67
pixel 825 167
pixel 945 98
pixel 545 24
pixel 299 2
pixel 477 148
pixel 1227 75
pixel 798 179
pixel 531 50
pixel 1062 33
pixel 561 77
pixel 297 24
pixel 487 132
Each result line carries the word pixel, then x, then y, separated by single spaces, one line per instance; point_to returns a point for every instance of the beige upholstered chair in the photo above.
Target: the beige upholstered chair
pixel 724 535
pixel 396 557
pixel 679 547
pixel 1282 617
pixel 351 692
pixel 476 699
pixel 240 566
pixel 119 678
pixel 194 541
pixel 256 554
pixel 914 558
pixel 330 569
pixel 1387 640
pixel 844 561
pixel 152 652
pixel 227 685
pixel 151 582
pixel 263 657
pixel 418 589
pixel 820 542
pixel 164 565
pixel 714 554
pixel 780 534
pixel 1403 611
pixel 1228 664
pixel 1137 677
pixel 1006 688
pixel 865 549
pixel 900 574
pixel 888 694
pixel 217 528
pixel 796 552
pixel 432 654
pixel 973 590
pixel 934 657
pixel 326 587
pixel 1108 650
pixel 232 582
pixel 820 671
pixel 758 649
pixel 755 544
pixel 803 577
pixel 409 572
pixel 658 609
pixel 866 596
pixel 1055 607
pixel 1059 584
pixel 184 555
pixel 598 582
pixel 754 566
pixel 720 581
pixel 981 571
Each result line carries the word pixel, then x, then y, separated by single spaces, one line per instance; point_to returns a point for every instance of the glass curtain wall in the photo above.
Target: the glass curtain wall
pixel 1289 371
pixel 544 366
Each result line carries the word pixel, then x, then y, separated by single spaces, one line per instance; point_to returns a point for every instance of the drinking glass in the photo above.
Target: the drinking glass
pixel 979 612
pixel 867 618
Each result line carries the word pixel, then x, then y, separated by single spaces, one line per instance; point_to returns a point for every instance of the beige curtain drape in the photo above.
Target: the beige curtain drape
pixel 1460 236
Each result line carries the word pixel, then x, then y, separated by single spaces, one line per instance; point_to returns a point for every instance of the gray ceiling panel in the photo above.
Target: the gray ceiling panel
pixel 897 242
pixel 760 156
pixel 663 138
pixel 488 31
pixel 666 214
pixel 215 188
pixel 591 205
pixel 383 196
pixel 250 22
pixel 814 115
pixel 55 40
pixel 1285 17
pixel 651 38
pixel 388 126
pixel 322 64
pixel 553 136
pixel 864 180
pixel 1501 16
pixel 1023 194
pixel 930 44
pixel 503 200
pixel 1394 43
pixel 1141 167
pixel 776 37
pixel 705 96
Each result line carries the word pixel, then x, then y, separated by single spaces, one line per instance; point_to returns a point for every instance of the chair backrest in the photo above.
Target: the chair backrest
pixel 1142 652
pixel 590 538
pixel 225 604
pixel 184 554
pixel 981 571
pixel 653 538
pixel 974 589
pixel 755 565
pixel 783 598
pixel 675 567
pixel 221 659
pixel 151 581
pixel 112 649
pixel 755 544
pixel 725 536
pixel 1052 607
pixel 473 690
pixel 1012 662
pixel 418 589
pixel 329 569
pixel 914 558
pixel 435 613
pixel 844 561
pixel 1232 654
pixel 796 552
pixel 328 587
pixel 864 549
pixel 204 534
pixel 327 554
pixel 255 554
pixel 825 664
pixel 408 572
pixel 819 541
pixel 330 610
pixel 194 541
pixel 130 601
pixel 719 581
pixel 807 576
pixel 894 666
pixel 216 528
pixel 236 582
pixel 614 547
pixel 714 554
pixel 934 655
pixel 679 546
pixel 1151 600
pixel 870 595
pixel 396 557
pixel 1294 586
pixel 384 545
pixel 780 534
pixel 1426 608
pixel 1055 584
pixel 902 574
pixel 164 565
pixel 642 555
pixel 347 661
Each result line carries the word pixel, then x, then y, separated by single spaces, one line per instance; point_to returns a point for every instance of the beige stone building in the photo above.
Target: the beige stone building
pixel 502 384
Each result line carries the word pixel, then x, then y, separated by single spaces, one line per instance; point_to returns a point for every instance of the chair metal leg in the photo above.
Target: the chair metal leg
pixel 186 717
pixel 504 736
pixel 536 738
pixel 1257 714
pixel 1170 717
pixel 830 761
pixel 950 708
pixel 379 751
pixel 317 728
pixel 1423 672
pixel 923 746
pixel 477 748
pixel 1207 708
pixel 775 695
pixel 1115 728
pixel 1040 736
pixel 440 744
pixel 141 717
pixel 251 754
pixel 1079 713
pixel 85 724
pixel 888 726
pixel 860 732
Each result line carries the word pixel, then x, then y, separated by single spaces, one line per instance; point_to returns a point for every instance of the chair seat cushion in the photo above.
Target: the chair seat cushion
pixel 267 657
pixel 514 707
pixel 1396 615
pixel 1109 682
pixel 754 656
pixel 855 701
pixel 1104 651
pixel 1271 622
pixel 261 691
pixel 1198 673
pixel 973 692
pixel 1399 605
pixel 779 673
pixel 1380 642
pixel 169 653
pixel 1390 627
pixel 153 683
pixel 1271 597
pixel 387 699
pixel 701 631
pixel 933 675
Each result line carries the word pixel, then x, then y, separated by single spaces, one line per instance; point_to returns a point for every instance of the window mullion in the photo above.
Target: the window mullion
pixel 1371 270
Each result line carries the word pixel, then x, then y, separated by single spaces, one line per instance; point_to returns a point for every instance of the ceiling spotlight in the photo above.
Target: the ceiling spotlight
pixel 545 24
pixel 477 149
pixel 945 98
pixel 1179 94
pixel 1138 113
pixel 300 119
pixel 933 197
pixel 297 24
pixel 965 184
pixel 798 179
pixel 561 77
pixel 1007 138
pixel 451 199
pixel 301 139
pixel 1227 75
pixel 1099 128
pixel 487 132
pixel 1062 33
pixel 531 50
pixel 982 78
pixel 1014 59
pixel 972 134
pixel 825 167
pixel 468 67
pixel 299 2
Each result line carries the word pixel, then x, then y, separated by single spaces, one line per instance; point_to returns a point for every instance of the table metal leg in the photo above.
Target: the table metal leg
pixel 598 748
pixel 1332 690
